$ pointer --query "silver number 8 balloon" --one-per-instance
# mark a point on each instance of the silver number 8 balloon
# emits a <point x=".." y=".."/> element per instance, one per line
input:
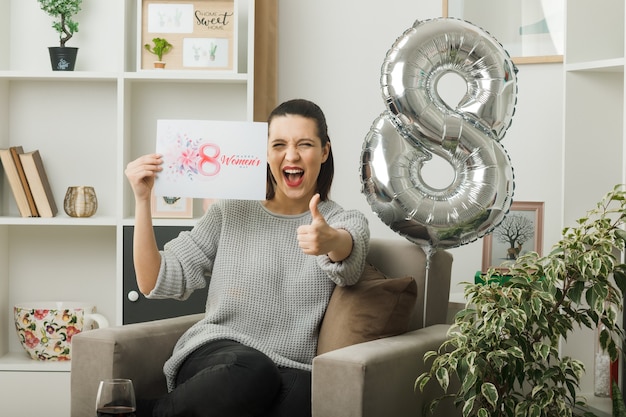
<point x="419" y="124"/>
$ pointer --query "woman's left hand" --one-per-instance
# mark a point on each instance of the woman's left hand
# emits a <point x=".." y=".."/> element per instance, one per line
<point x="319" y="238"/>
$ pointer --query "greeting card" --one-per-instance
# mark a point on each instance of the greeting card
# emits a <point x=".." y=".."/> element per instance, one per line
<point x="212" y="159"/>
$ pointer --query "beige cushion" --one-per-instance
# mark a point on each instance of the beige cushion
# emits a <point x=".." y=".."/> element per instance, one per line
<point x="373" y="308"/>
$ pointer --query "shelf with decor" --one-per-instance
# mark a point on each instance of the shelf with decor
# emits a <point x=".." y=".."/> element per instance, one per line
<point x="47" y="75"/>
<point x="594" y="133"/>
<point x="188" y="76"/>
<point x="88" y="124"/>
<point x="59" y="220"/>
<point x="606" y="65"/>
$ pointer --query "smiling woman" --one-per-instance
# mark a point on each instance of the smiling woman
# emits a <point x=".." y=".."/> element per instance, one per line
<point x="248" y="356"/>
<point x="298" y="136"/>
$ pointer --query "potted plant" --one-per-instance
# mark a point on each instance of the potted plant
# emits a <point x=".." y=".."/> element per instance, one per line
<point x="503" y="353"/>
<point x="160" y="47"/>
<point x="62" y="58"/>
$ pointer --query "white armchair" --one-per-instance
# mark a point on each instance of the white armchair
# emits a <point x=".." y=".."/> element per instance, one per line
<point x="371" y="379"/>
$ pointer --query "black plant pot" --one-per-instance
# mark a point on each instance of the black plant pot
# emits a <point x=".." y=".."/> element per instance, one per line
<point x="62" y="58"/>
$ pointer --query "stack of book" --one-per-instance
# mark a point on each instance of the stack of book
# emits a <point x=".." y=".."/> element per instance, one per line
<point x="28" y="181"/>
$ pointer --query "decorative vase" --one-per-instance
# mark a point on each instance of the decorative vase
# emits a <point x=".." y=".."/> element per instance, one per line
<point x="80" y="201"/>
<point x="602" y="368"/>
<point x="62" y="58"/>
<point x="45" y="328"/>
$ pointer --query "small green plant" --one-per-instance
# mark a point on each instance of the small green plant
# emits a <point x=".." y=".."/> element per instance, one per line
<point x="503" y="349"/>
<point x="62" y="11"/>
<point x="160" y="47"/>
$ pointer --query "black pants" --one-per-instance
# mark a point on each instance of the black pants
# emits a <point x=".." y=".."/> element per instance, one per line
<point x="227" y="379"/>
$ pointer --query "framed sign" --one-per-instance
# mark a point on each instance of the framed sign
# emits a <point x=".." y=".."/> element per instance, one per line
<point x="203" y="33"/>
<point x="172" y="207"/>
<point x="521" y="231"/>
<point x="531" y="31"/>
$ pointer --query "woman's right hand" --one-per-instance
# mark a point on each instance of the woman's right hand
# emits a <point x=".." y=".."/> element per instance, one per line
<point x="141" y="174"/>
<point x="146" y="257"/>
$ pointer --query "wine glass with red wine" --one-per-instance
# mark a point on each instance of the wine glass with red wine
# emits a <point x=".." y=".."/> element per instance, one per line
<point x="116" y="398"/>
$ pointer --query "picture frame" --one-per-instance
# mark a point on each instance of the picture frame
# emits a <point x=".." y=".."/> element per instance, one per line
<point x="531" y="31"/>
<point x="203" y="33"/>
<point x="502" y="245"/>
<point x="206" y="203"/>
<point x="171" y="207"/>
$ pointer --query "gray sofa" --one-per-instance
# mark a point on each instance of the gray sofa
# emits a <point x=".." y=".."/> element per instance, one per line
<point x="370" y="379"/>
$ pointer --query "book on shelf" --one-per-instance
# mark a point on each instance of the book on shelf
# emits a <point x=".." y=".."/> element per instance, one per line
<point x="15" y="153"/>
<point x="13" y="177"/>
<point x="39" y="184"/>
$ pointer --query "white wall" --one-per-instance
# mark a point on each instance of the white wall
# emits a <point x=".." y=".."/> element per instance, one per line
<point x="331" y="52"/>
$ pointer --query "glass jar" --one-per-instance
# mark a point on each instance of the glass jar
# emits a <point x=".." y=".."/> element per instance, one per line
<point x="601" y="367"/>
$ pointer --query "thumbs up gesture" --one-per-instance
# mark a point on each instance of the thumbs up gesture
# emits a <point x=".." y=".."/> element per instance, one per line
<point x="319" y="238"/>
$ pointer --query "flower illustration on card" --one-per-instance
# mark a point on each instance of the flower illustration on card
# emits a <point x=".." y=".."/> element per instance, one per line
<point x="189" y="159"/>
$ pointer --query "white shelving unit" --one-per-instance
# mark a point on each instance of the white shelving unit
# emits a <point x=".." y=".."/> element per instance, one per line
<point x="88" y="124"/>
<point x="594" y="158"/>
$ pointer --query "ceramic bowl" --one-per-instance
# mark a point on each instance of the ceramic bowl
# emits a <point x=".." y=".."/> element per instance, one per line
<point x="45" y="329"/>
